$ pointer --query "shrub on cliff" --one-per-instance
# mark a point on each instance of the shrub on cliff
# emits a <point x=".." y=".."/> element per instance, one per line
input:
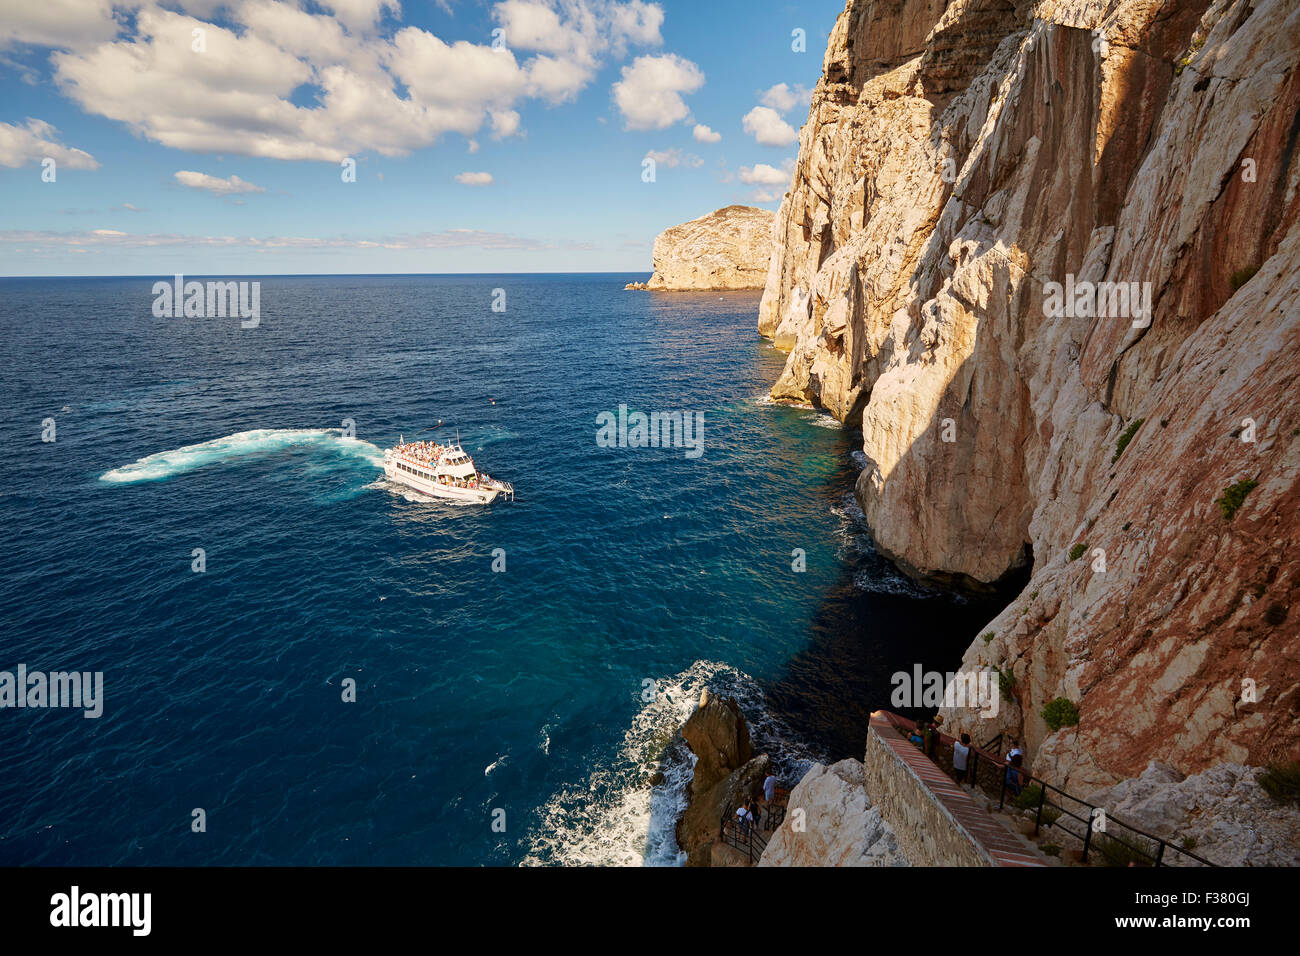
<point x="1060" y="713"/>
<point x="1234" y="495"/>
<point x="1282" y="782"/>
<point x="1077" y="551"/>
<point x="1132" y="849"/>
<point x="1007" y="685"/>
<point x="1242" y="276"/>
<point x="1028" y="800"/>
<point x="1125" y="438"/>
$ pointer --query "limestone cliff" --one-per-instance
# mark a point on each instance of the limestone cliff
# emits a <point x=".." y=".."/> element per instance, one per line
<point x="830" y="822"/>
<point x="961" y="159"/>
<point x="727" y="249"/>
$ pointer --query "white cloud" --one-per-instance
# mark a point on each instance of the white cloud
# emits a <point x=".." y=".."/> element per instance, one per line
<point x="570" y="38"/>
<point x="38" y="140"/>
<point x="504" y="123"/>
<point x="63" y="24"/>
<point x="216" y="185"/>
<point x="764" y="175"/>
<point x="784" y="98"/>
<point x="361" y="15"/>
<point x="474" y="179"/>
<point x="765" y="195"/>
<point x="767" y="127"/>
<point x="705" y="135"/>
<point x="579" y="30"/>
<point x="672" y="158"/>
<point x="371" y="86"/>
<point x="650" y="93"/>
<point x="447" y="239"/>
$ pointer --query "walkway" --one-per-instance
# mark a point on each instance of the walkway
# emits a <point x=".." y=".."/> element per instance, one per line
<point x="984" y="829"/>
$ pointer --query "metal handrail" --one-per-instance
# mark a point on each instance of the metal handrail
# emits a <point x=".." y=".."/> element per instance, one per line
<point x="748" y="839"/>
<point x="1160" y="844"/>
<point x="754" y="842"/>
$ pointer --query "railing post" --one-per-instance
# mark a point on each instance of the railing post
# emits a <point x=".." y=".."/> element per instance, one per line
<point x="1002" y="794"/>
<point x="974" y="768"/>
<point x="1087" y="837"/>
<point x="1160" y="853"/>
<point x="1042" y="798"/>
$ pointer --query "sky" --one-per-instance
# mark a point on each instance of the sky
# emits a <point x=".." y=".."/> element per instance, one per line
<point x="261" y="137"/>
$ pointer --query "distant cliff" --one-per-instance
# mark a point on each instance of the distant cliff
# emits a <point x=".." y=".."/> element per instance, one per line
<point x="727" y="249"/>
<point x="1048" y="255"/>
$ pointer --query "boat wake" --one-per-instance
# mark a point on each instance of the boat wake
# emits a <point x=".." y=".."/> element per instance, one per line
<point x="615" y="818"/>
<point x="260" y="441"/>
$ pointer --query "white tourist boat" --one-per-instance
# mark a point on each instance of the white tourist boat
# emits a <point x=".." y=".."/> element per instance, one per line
<point x="442" y="471"/>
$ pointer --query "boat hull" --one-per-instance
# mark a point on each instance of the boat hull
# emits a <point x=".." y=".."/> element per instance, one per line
<point x="432" y="489"/>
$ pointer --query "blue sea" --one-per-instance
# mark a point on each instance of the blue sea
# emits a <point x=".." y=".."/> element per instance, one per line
<point x="501" y="717"/>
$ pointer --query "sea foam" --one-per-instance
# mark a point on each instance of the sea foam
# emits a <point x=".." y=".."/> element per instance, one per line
<point x="614" y="818"/>
<point x="259" y="441"/>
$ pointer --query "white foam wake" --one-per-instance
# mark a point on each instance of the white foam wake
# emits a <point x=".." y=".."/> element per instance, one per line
<point x="259" y="441"/>
<point x="614" y="818"/>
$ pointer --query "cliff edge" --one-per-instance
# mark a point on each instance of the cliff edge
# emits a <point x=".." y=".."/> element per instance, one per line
<point x="728" y="249"/>
<point x="1048" y="256"/>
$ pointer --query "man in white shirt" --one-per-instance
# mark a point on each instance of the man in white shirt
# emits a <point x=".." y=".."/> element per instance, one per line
<point x="745" y="818"/>
<point x="960" y="758"/>
<point x="769" y="788"/>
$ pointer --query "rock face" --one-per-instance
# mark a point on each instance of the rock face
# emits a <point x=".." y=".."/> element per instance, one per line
<point x="727" y="249"/>
<point x="1224" y="810"/>
<point x="840" y="826"/>
<point x="726" y="771"/>
<point x="960" y="158"/>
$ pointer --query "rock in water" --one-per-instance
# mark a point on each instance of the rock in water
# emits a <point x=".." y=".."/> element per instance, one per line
<point x="727" y="249"/>
<point x="719" y="737"/>
<point x="726" y="772"/>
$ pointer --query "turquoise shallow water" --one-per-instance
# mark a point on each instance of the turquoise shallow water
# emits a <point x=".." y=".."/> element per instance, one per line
<point x="536" y="696"/>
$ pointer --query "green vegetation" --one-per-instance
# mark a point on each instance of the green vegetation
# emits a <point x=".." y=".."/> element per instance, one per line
<point x="1242" y="276"/>
<point x="1282" y="782"/>
<point x="988" y="636"/>
<point x="1191" y="54"/>
<point x="1077" y="551"/>
<point x="1028" y="800"/>
<point x="1126" y="437"/>
<point x="1060" y="713"/>
<point x="1132" y="849"/>
<point x="1234" y="495"/>
<point x="1051" y="849"/>
<point x="1189" y="843"/>
<point x="1007" y="684"/>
